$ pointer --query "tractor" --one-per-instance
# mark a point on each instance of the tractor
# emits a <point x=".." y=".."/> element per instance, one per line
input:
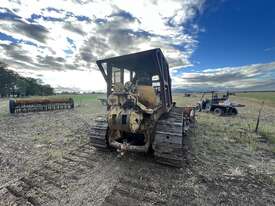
<point x="219" y="105"/>
<point x="141" y="116"/>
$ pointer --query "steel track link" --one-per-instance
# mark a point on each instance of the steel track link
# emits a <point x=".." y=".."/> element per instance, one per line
<point x="168" y="140"/>
<point x="131" y="191"/>
<point x="98" y="133"/>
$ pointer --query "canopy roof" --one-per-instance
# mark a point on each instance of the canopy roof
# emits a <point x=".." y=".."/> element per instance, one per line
<point x="140" y="61"/>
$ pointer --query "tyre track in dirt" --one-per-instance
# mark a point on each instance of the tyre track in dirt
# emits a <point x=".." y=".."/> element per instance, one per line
<point x="51" y="183"/>
<point x="144" y="182"/>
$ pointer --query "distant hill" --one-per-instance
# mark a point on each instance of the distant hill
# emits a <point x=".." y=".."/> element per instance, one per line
<point x="60" y="89"/>
<point x="200" y="90"/>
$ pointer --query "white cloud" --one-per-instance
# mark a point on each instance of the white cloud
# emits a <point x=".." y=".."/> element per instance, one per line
<point x="58" y="36"/>
<point x="253" y="77"/>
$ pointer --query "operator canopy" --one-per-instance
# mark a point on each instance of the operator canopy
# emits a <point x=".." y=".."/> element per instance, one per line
<point x="150" y="60"/>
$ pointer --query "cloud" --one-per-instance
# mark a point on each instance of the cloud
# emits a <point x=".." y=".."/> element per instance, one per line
<point x="270" y="49"/>
<point x="13" y="23"/>
<point x="60" y="42"/>
<point x="15" y="52"/>
<point x="73" y="34"/>
<point x="33" y="31"/>
<point x="249" y="77"/>
<point x="74" y="28"/>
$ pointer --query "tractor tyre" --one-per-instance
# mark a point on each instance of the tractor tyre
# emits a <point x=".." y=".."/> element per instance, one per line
<point x="234" y="111"/>
<point x="218" y="111"/>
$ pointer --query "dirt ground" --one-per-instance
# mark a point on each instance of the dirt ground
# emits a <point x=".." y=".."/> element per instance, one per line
<point x="45" y="159"/>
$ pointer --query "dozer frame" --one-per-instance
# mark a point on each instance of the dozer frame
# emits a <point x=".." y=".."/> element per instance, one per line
<point x="140" y="112"/>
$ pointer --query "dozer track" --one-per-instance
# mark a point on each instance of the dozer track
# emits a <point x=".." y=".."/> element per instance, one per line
<point x="98" y="133"/>
<point x="168" y="141"/>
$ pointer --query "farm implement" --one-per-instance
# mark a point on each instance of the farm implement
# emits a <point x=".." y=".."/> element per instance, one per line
<point x="39" y="104"/>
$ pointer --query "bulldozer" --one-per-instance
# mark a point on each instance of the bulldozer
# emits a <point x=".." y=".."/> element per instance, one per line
<point x="141" y="116"/>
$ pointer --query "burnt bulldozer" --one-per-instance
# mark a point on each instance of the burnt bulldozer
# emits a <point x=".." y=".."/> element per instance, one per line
<point x="141" y="116"/>
<point x="39" y="104"/>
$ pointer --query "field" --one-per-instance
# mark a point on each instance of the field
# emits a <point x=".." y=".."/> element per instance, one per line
<point x="267" y="97"/>
<point x="45" y="159"/>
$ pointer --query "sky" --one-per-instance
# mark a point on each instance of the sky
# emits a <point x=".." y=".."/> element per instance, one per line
<point x="209" y="44"/>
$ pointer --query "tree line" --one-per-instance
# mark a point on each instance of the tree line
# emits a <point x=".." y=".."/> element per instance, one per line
<point x="12" y="84"/>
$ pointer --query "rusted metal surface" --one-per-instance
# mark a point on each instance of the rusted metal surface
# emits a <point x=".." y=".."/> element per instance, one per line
<point x="170" y="131"/>
<point x="40" y="104"/>
<point x="124" y="147"/>
<point x="140" y="113"/>
<point x="146" y="63"/>
<point x="43" y="101"/>
<point x="98" y="133"/>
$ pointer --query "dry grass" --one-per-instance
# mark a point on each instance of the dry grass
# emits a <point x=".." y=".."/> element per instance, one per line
<point x="268" y="97"/>
<point x="241" y="128"/>
<point x="229" y="162"/>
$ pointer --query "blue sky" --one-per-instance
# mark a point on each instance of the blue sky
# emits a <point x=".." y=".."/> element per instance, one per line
<point x="236" y="33"/>
<point x="209" y="44"/>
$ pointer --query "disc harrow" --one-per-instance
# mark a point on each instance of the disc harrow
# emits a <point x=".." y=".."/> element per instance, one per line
<point x="43" y="104"/>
